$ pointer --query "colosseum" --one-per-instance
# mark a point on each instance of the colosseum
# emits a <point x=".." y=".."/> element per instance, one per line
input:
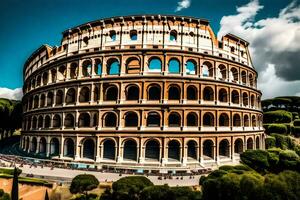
<point x="152" y="91"/>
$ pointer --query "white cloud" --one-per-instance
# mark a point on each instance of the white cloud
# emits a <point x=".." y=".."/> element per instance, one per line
<point x="182" y="4"/>
<point x="274" y="45"/>
<point x="15" y="94"/>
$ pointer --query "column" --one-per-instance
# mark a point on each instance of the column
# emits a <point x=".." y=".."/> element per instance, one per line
<point x="61" y="147"/>
<point x="164" y="160"/>
<point x="98" y="150"/>
<point x="119" y="152"/>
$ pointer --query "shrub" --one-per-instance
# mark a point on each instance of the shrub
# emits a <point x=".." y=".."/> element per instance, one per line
<point x="289" y="160"/>
<point x="296" y="131"/>
<point x="3" y="195"/>
<point x="256" y="159"/>
<point x="278" y="116"/>
<point x="83" y="183"/>
<point x="270" y="142"/>
<point x="9" y="171"/>
<point x="277" y="128"/>
<point x="283" y="142"/>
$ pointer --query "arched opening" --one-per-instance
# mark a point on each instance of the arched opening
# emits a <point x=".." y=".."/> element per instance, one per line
<point x="39" y="81"/>
<point x="40" y="122"/>
<point x="152" y="150"/>
<point x="208" y="150"/>
<point x="73" y="70"/>
<point x="113" y="35"/>
<point x="238" y="146"/>
<point x="235" y="97"/>
<point x="174" y="66"/>
<point x="192" y="93"/>
<point x="95" y="120"/>
<point x="132" y="92"/>
<point x="236" y="120"/>
<point x="45" y="78"/>
<point x="173" y="35"/>
<point x="27" y="144"/>
<point x="34" y="122"/>
<point x="84" y="95"/>
<point x="109" y="149"/>
<point x="153" y="119"/>
<point x="253" y="121"/>
<point x="36" y="102"/>
<point x="59" y="97"/>
<point x="133" y="35"/>
<point x="224" y="148"/>
<point x="245" y="99"/>
<point x="174" y="120"/>
<point x="96" y="94"/>
<point x="208" y="94"/>
<point x="133" y="66"/>
<point x="251" y="80"/>
<point x="131" y="119"/>
<point x="33" y="145"/>
<point x="154" y="92"/>
<point x="86" y="68"/>
<point x="69" y="121"/>
<point x="69" y="148"/>
<point x="53" y="75"/>
<point x="246" y="121"/>
<point x="250" y="143"/>
<point x="113" y="67"/>
<point x="221" y="72"/>
<point x="54" y="147"/>
<point x="174" y="150"/>
<point x="257" y="143"/>
<point x="47" y="121"/>
<point x="111" y="93"/>
<point x="70" y="97"/>
<point x="234" y="75"/>
<point x="174" y="93"/>
<point x="207" y="69"/>
<point x="61" y="72"/>
<point x="244" y="77"/>
<point x="130" y="150"/>
<point x="252" y="100"/>
<point x="224" y="120"/>
<point x="110" y="120"/>
<point x="192" y="149"/>
<point x="42" y="102"/>
<point x="223" y="95"/>
<point x="155" y="65"/>
<point x="49" y="99"/>
<point x="98" y="67"/>
<point x="42" y="146"/>
<point x="89" y="149"/>
<point x="84" y="120"/>
<point x="208" y="119"/>
<point x="190" y="67"/>
<point x="56" y="121"/>
<point x="192" y="119"/>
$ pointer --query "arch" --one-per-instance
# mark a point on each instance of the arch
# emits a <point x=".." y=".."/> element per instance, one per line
<point x="253" y="121"/>
<point x="56" y="121"/>
<point x="36" y="101"/>
<point x="233" y="75"/>
<point x="236" y="120"/>
<point x="133" y="34"/>
<point x="34" y="122"/>
<point x="131" y="119"/>
<point x="223" y="120"/>
<point x="49" y="99"/>
<point x="174" y="92"/>
<point x="244" y="77"/>
<point x="86" y="68"/>
<point x="174" y="66"/>
<point x="53" y="75"/>
<point x="190" y="67"/>
<point x="251" y="80"/>
<point x="155" y="65"/>
<point x="73" y="70"/>
<point x="42" y="145"/>
<point x="111" y="93"/>
<point x="252" y="100"/>
<point x="61" y="73"/>
<point x="45" y="78"/>
<point x="54" y="146"/>
<point x="238" y="146"/>
<point x="192" y="149"/>
<point x="235" y="97"/>
<point x="152" y="150"/>
<point x="113" y="35"/>
<point x="223" y="95"/>
<point x="95" y="120"/>
<point x="84" y="120"/>
<point x="154" y="92"/>
<point x="130" y="150"/>
<point x="207" y="69"/>
<point x="250" y="143"/>
<point x="246" y="121"/>
<point x="69" y="121"/>
<point x="84" y="95"/>
<point x="173" y="35"/>
<point x="33" y="145"/>
<point x="42" y="101"/>
<point x="245" y="99"/>
<point x="208" y="149"/>
<point x="257" y="142"/>
<point x="40" y="122"/>
<point x="96" y="94"/>
<point x="208" y="94"/>
<point x="39" y="81"/>
<point x="59" y="97"/>
<point x="153" y="119"/>
<point x="27" y="144"/>
<point x="70" y="97"/>
<point x="174" y="120"/>
<point x="88" y="149"/>
<point x="192" y="119"/>
<point x="192" y="93"/>
<point x="113" y="67"/>
<point x="208" y="119"/>
<point x="221" y="72"/>
<point x="224" y="148"/>
<point x="133" y="65"/>
<point x="132" y="92"/>
<point x="69" y="148"/>
<point x="98" y="67"/>
<point x="174" y="150"/>
<point x="47" y="121"/>
<point x="109" y="149"/>
<point x="110" y="119"/>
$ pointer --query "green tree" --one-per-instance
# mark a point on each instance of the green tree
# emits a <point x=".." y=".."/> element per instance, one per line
<point x="3" y="195"/>
<point x="83" y="183"/>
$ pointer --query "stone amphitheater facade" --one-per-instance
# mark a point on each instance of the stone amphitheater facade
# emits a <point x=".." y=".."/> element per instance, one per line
<point x="154" y="91"/>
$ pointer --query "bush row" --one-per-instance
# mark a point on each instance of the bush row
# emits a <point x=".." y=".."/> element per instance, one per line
<point x="278" y="116"/>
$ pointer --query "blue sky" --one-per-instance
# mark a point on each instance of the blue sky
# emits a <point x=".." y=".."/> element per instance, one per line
<point x="25" y="25"/>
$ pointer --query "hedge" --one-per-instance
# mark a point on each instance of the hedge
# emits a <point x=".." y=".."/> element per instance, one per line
<point x="9" y="171"/>
<point x="278" y="116"/>
<point x="297" y="122"/>
<point x="270" y="142"/>
<point x="277" y="128"/>
<point x="283" y="142"/>
<point x="296" y="131"/>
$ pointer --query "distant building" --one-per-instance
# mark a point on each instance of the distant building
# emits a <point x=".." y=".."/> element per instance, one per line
<point x="154" y="91"/>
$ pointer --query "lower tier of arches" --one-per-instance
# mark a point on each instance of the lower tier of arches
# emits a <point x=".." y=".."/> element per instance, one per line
<point x="147" y="150"/>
